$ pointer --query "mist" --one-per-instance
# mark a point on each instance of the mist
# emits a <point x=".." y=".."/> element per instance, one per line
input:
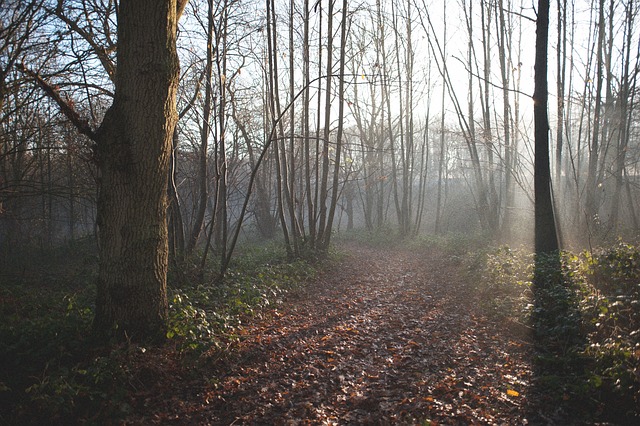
<point x="418" y="119"/>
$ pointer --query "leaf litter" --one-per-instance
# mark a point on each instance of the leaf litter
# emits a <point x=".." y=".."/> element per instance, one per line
<point x="379" y="338"/>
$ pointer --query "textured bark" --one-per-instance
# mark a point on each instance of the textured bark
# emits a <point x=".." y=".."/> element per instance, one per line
<point x="134" y="147"/>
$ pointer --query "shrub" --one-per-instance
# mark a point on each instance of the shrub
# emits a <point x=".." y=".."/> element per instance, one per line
<point x="585" y="310"/>
<point x="504" y="282"/>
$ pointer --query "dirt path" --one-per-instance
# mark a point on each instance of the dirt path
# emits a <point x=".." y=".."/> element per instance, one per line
<point x="381" y="338"/>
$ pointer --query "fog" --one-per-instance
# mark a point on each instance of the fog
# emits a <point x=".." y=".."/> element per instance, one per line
<point x="416" y="120"/>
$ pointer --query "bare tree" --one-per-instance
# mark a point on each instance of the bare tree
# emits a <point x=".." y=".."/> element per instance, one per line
<point x="546" y="239"/>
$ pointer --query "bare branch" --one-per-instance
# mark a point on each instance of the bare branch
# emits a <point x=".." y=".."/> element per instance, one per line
<point x="82" y="124"/>
<point x="497" y="86"/>
<point x="100" y="51"/>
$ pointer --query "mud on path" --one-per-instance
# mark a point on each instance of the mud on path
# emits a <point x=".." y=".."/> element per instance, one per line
<point x="382" y="337"/>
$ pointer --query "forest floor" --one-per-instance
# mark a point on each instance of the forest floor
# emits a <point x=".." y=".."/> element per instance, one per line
<point x="380" y="337"/>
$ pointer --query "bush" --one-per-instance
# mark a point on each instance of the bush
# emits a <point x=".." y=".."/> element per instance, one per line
<point x="616" y="270"/>
<point x="49" y="376"/>
<point x="504" y="277"/>
<point x="614" y="320"/>
<point x="585" y="310"/>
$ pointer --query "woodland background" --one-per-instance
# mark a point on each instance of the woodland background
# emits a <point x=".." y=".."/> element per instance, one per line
<point x="429" y="130"/>
<point x="400" y="124"/>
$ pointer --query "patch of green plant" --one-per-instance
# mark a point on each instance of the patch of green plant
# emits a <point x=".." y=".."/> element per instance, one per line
<point x="615" y="270"/>
<point x="63" y="394"/>
<point x="503" y="278"/>
<point x="585" y="311"/>
<point x="53" y="372"/>
<point x="557" y="290"/>
<point x="48" y="375"/>
<point x="386" y="236"/>
<point x="188" y="323"/>
<point x="253" y="256"/>
<point x="50" y="371"/>
<point x="453" y="244"/>
<point x="613" y="321"/>
<point x="202" y="315"/>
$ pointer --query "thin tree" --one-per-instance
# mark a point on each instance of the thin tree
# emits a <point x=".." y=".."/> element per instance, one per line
<point x="442" y="154"/>
<point x="336" y="165"/>
<point x="504" y="54"/>
<point x="324" y="179"/>
<point x="594" y="146"/>
<point x="205" y="130"/>
<point x="546" y="239"/>
<point x="561" y="66"/>
<point x="625" y="106"/>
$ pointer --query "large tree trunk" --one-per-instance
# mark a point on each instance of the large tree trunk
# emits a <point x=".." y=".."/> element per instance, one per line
<point x="134" y="147"/>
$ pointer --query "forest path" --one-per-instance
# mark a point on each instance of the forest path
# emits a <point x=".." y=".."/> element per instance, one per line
<point x="381" y="337"/>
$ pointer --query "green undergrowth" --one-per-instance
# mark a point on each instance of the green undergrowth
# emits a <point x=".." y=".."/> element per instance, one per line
<point x="386" y="237"/>
<point x="582" y="312"/>
<point x="453" y="244"/>
<point x="45" y="314"/>
<point x="205" y="311"/>
<point x="54" y="373"/>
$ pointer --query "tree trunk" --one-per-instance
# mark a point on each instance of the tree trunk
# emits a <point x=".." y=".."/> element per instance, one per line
<point x="176" y="225"/>
<point x="487" y="195"/>
<point x="274" y="103"/>
<point x="441" y="161"/>
<point x="594" y="147"/>
<point x="546" y="239"/>
<point x="220" y="219"/>
<point x="308" y="167"/>
<point x="203" y="163"/>
<point x="625" y="107"/>
<point x="134" y="148"/>
<point x="561" y="62"/>
<point x="290" y="169"/>
<point x="324" y="179"/>
<point x="336" y="165"/>
<point x="504" y="49"/>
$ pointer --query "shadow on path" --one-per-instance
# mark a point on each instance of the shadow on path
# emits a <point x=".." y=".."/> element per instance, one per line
<point x="560" y="381"/>
<point x="382" y="337"/>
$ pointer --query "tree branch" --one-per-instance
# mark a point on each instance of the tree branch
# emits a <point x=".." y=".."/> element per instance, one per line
<point x="497" y="86"/>
<point x="82" y="124"/>
<point x="100" y="51"/>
